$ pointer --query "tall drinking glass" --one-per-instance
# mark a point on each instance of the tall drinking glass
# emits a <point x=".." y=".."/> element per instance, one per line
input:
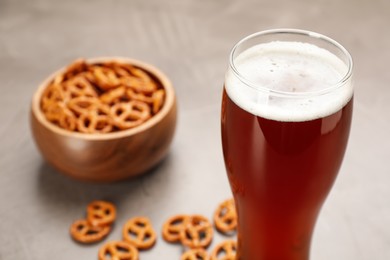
<point x="286" y="115"/>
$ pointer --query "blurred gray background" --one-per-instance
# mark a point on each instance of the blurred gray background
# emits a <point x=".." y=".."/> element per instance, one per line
<point x="190" y="41"/>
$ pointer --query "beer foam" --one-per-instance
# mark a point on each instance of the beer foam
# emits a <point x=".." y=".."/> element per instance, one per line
<point x="296" y="68"/>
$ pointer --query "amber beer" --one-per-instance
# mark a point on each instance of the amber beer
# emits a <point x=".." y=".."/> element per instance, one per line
<point x="286" y="116"/>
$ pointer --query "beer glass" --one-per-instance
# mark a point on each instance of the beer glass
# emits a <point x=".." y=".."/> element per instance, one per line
<point x="286" y="116"/>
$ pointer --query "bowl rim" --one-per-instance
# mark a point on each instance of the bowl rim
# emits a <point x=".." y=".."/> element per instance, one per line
<point x="168" y="103"/>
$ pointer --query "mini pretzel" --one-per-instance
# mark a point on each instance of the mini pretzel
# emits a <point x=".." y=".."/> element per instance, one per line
<point x="124" y="69"/>
<point x="83" y="104"/>
<point x="113" y="96"/>
<point x="58" y="79"/>
<point x="158" y="100"/>
<point x="225" y="217"/>
<point x="172" y="227"/>
<point x="129" y="114"/>
<point x="118" y="250"/>
<point x="139" y="73"/>
<point x="67" y="120"/>
<point x="120" y="69"/>
<point x="101" y="213"/>
<point x="195" y="254"/>
<point x="101" y="98"/>
<point x="139" y="85"/>
<point x="75" y="68"/>
<point x="60" y="115"/>
<point x="94" y="117"/>
<point x="83" y="232"/>
<point x="105" y="78"/>
<point x="52" y="94"/>
<point x="138" y="96"/>
<point x="91" y="123"/>
<point x="78" y="86"/>
<point x="139" y="232"/>
<point x="197" y="232"/>
<point x="53" y="111"/>
<point x="226" y="250"/>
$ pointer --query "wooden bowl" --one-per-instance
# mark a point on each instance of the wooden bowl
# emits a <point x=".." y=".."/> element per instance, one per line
<point x="111" y="156"/>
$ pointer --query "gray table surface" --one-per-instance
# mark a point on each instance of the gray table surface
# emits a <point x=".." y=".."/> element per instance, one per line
<point x="190" y="41"/>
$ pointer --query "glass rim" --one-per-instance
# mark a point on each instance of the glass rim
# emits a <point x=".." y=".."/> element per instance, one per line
<point x="301" y="32"/>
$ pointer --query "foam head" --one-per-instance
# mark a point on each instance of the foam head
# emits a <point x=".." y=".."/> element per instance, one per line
<point x="283" y="81"/>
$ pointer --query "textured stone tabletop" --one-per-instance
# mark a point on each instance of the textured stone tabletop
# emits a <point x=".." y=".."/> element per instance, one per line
<point x="190" y="41"/>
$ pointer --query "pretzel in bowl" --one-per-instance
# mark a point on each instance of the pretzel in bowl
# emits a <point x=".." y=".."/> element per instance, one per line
<point x="53" y="95"/>
<point x="53" y="105"/>
<point x="57" y="112"/>
<point x="118" y="250"/>
<point x="106" y="78"/>
<point x="92" y="123"/>
<point x="78" y="86"/>
<point x="139" y="80"/>
<point x="84" y="104"/>
<point x="114" y="96"/>
<point x="130" y="114"/>
<point x="101" y="213"/>
<point x="139" y="232"/>
<point x="197" y="232"/>
<point x="172" y="227"/>
<point x="225" y="216"/>
<point x="226" y="250"/>
<point x="78" y="66"/>
<point x="195" y="254"/>
<point x="101" y="97"/>
<point x="83" y="232"/>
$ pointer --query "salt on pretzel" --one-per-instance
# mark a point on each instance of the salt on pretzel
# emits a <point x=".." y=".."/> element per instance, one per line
<point x="226" y="250"/>
<point x="197" y="232"/>
<point x="195" y="254"/>
<point x="129" y="114"/>
<point x="225" y="216"/>
<point x="118" y="250"/>
<point x="101" y="213"/>
<point x="83" y="232"/>
<point x="172" y="227"/>
<point x="139" y="232"/>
